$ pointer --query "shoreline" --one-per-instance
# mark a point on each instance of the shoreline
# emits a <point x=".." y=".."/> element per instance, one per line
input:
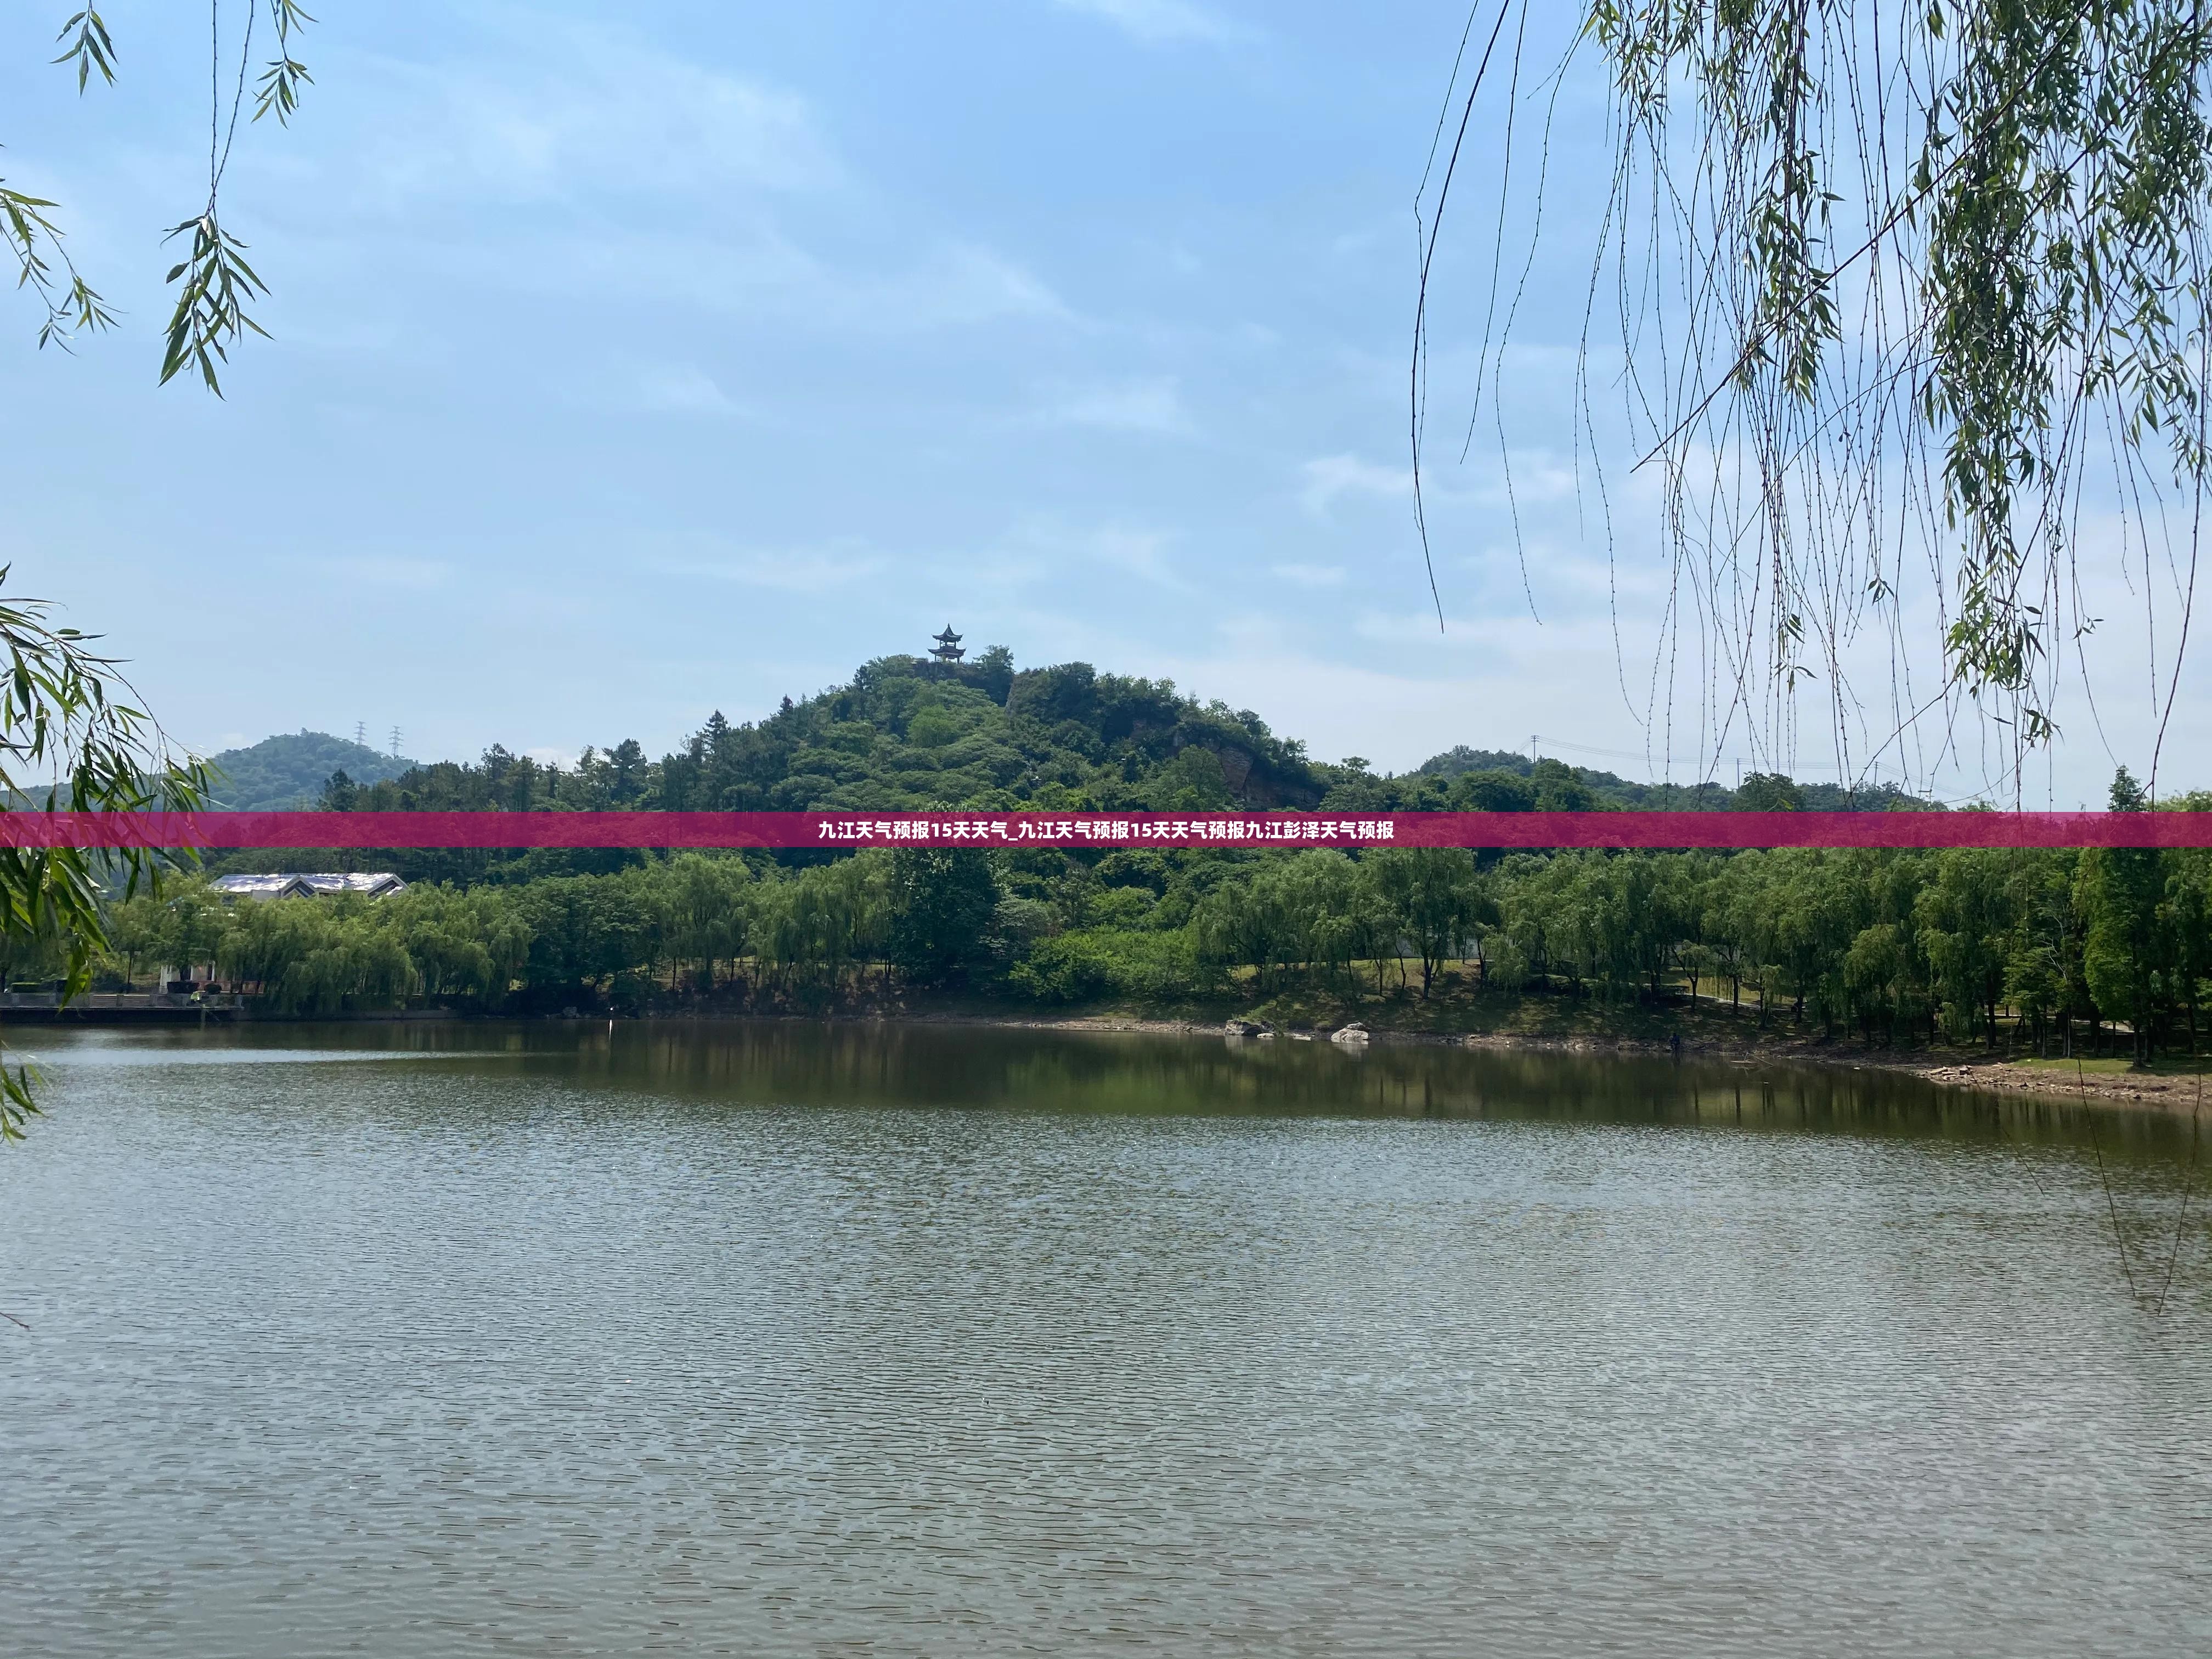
<point x="1952" y="1069"/>
<point x="1973" y="1070"/>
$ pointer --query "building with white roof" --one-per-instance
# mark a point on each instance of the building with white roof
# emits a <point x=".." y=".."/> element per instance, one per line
<point x="294" y="884"/>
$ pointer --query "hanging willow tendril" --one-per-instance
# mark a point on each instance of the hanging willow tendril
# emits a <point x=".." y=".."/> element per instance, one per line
<point x="211" y="305"/>
<point x="217" y="283"/>
<point x="214" y="284"/>
<point x="277" y="91"/>
<point x="1887" y="289"/>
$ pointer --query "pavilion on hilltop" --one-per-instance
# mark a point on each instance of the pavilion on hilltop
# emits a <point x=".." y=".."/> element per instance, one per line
<point x="948" y="649"/>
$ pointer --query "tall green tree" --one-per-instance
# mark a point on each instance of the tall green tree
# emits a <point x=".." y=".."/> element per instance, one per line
<point x="1769" y="791"/>
<point x="2122" y="888"/>
<point x="1435" y="896"/>
<point x="943" y="900"/>
<point x="1968" y="926"/>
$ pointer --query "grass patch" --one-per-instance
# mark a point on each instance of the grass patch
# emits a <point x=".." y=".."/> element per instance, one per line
<point x="2113" y="1067"/>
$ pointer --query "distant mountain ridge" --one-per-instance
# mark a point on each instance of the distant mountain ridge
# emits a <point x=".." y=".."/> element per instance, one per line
<point x="289" y="771"/>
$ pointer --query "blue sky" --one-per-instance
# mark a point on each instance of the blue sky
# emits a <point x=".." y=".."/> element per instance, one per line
<point x="634" y="363"/>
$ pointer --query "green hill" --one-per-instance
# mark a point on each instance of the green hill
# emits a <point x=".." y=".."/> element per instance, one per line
<point x="290" y="770"/>
<point x="906" y="734"/>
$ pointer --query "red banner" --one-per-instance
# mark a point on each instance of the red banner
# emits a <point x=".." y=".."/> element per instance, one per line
<point x="850" y="829"/>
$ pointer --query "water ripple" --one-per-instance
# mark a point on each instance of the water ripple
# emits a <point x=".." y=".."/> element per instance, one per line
<point x="715" y="1343"/>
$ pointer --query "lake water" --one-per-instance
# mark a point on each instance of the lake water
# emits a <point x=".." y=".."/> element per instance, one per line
<point x="775" y="1339"/>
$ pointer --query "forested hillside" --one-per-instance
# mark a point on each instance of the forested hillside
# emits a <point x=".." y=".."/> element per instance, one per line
<point x="292" y="770"/>
<point x="906" y="734"/>
<point x="909" y="734"/>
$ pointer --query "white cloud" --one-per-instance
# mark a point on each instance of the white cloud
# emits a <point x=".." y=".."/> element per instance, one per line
<point x="1140" y="552"/>
<point x="1310" y="575"/>
<point x="683" y="390"/>
<point x="757" y="271"/>
<point x="1157" y="22"/>
<point x="1150" y="405"/>
<point x="1521" y="476"/>
<point x="1331" y="476"/>
<point x="1035" y="545"/>
<point x="605" y="113"/>
<point x="1507" y="634"/>
<point x="581" y="164"/>
<point x="1376" y="233"/>
<point x="393" y="571"/>
<point x="956" y="282"/>
<point x="788" y="570"/>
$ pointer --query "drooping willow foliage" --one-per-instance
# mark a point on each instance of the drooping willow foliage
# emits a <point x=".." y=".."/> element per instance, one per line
<point x="1904" y="310"/>
<point x="213" y="284"/>
<point x="71" y="740"/>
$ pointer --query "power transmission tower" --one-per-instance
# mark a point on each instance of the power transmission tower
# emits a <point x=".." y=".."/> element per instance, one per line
<point x="361" y="733"/>
<point x="395" y="742"/>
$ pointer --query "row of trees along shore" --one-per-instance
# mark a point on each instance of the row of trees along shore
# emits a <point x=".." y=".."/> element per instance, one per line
<point x="2039" y="949"/>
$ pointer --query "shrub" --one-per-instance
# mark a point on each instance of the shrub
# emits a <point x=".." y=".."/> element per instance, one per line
<point x="1089" y="964"/>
